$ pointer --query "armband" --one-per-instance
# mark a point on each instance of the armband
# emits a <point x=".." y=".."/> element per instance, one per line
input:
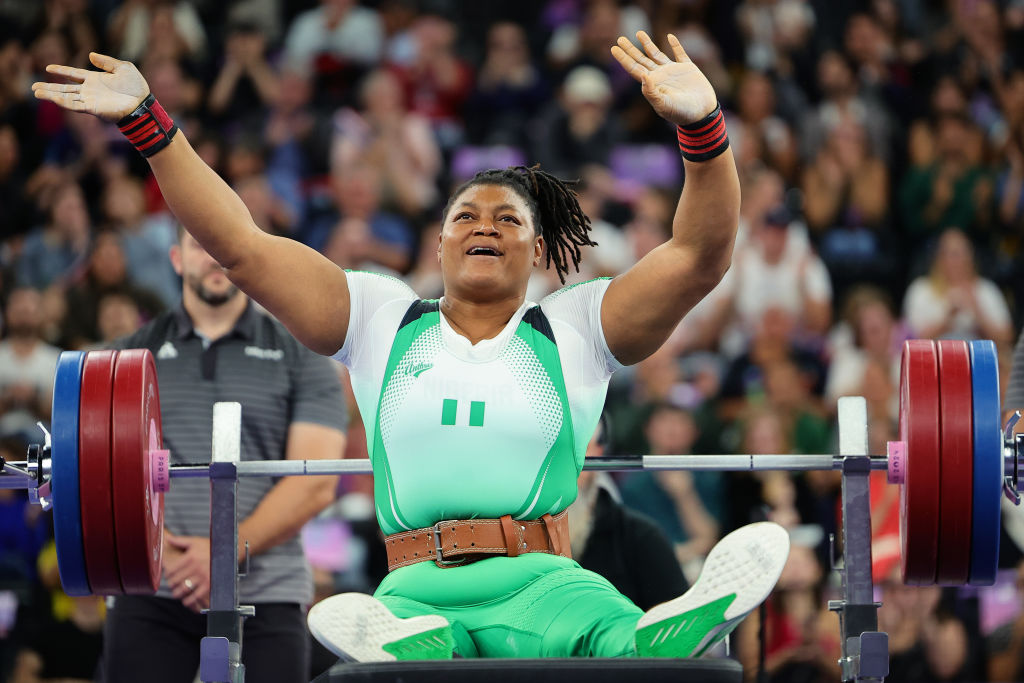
<point x="148" y="128"/>
<point x="704" y="139"/>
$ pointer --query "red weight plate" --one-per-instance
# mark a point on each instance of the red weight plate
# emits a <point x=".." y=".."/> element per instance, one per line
<point x="957" y="473"/>
<point x="919" y="429"/>
<point x="94" y="479"/>
<point x="138" y="509"/>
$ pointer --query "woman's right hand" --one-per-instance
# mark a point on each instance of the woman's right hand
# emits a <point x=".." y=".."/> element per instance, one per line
<point x="110" y="94"/>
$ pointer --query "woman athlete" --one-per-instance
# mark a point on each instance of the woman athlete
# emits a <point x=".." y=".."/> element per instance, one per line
<point x="478" y="406"/>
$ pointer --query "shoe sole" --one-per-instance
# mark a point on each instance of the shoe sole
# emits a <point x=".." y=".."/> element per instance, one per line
<point x="359" y="627"/>
<point x="738" y="574"/>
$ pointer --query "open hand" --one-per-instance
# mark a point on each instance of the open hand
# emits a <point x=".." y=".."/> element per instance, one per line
<point x="110" y="94"/>
<point x="677" y="89"/>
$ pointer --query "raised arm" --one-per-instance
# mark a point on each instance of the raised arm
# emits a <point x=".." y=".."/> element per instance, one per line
<point x="643" y="305"/>
<point x="303" y="289"/>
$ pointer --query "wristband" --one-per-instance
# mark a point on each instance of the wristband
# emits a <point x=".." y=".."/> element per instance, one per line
<point x="704" y="139"/>
<point x="148" y="128"/>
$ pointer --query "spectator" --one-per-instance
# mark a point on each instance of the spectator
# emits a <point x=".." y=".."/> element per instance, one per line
<point x="27" y="364"/>
<point x="953" y="190"/>
<point x="681" y="502"/>
<point x="118" y="316"/>
<point x="1010" y="201"/>
<point x="623" y="546"/>
<point x="164" y="29"/>
<point x="397" y="17"/>
<point x="756" y="121"/>
<point x="53" y="252"/>
<point x="870" y="49"/>
<point x="953" y="301"/>
<point x="298" y="138"/>
<point x="800" y="634"/>
<point x="80" y="152"/>
<point x="13" y="203"/>
<point x="771" y="29"/>
<point x="105" y="274"/>
<point x="846" y="202"/>
<point x="360" y="233"/>
<point x="425" y="277"/>
<point x="145" y="239"/>
<point x="841" y="100"/>
<point x="788" y="391"/>
<point x="771" y="495"/>
<point x="926" y="641"/>
<point x="1006" y="643"/>
<point x="1010" y="192"/>
<point x="246" y="81"/>
<point x="579" y="129"/>
<point x="23" y="533"/>
<point x="763" y="190"/>
<point x="15" y="107"/>
<point x="846" y="185"/>
<point x="776" y="268"/>
<point x="64" y="642"/>
<point x="397" y="143"/>
<point x="868" y="333"/>
<point x="73" y="19"/>
<point x="268" y="211"/>
<point x="510" y="90"/>
<point x="596" y="192"/>
<point x="336" y="32"/>
<point x="651" y="222"/>
<point x="745" y="379"/>
<point x="437" y="82"/>
<point x="586" y="41"/>
<point x="172" y="84"/>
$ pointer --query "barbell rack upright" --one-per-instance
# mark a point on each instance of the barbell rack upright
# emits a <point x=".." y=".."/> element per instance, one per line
<point x="864" y="649"/>
<point x="220" y="659"/>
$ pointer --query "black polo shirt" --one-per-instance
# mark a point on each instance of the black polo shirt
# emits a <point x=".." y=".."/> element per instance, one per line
<point x="278" y="381"/>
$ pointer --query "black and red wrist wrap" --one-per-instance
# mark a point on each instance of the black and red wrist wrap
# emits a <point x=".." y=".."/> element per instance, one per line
<point x="704" y="139"/>
<point x="148" y="128"/>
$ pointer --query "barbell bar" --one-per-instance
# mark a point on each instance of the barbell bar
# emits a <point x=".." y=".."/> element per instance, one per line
<point x="620" y="463"/>
<point x="953" y="462"/>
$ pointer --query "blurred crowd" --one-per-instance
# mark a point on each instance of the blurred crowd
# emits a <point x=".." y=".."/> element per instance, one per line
<point x="880" y="147"/>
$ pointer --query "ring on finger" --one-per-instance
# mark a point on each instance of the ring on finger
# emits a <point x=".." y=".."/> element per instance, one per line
<point x="190" y="584"/>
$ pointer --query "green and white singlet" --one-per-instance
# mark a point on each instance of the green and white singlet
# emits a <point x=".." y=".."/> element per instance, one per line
<point x="462" y="431"/>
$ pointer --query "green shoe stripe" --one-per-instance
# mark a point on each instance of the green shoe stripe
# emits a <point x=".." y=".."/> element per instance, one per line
<point x="680" y="635"/>
<point x="435" y="644"/>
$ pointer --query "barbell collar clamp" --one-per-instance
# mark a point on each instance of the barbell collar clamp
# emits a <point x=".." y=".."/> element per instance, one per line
<point x="1013" y="452"/>
<point x="17" y="469"/>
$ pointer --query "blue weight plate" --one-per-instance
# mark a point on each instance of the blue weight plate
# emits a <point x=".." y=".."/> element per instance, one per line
<point x="988" y="464"/>
<point x="67" y="517"/>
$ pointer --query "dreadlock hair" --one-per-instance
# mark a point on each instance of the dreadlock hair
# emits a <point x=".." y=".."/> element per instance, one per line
<point x="556" y="213"/>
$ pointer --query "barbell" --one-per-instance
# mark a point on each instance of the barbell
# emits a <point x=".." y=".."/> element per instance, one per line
<point x="104" y="470"/>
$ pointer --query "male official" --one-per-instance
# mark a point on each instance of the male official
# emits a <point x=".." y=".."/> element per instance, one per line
<point x="218" y="346"/>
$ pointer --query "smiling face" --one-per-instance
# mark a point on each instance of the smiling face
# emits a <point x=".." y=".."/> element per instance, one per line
<point x="488" y="245"/>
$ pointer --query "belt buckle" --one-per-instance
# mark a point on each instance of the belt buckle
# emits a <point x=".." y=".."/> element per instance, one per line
<point x="438" y="556"/>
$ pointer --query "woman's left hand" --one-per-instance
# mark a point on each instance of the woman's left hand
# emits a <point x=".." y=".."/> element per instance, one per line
<point x="677" y="89"/>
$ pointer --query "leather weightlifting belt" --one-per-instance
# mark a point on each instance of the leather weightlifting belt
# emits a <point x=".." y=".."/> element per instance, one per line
<point x="457" y="542"/>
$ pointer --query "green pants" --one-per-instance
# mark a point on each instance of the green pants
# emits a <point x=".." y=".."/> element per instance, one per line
<point x="535" y="605"/>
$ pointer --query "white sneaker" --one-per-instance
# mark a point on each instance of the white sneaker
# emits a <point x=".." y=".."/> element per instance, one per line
<point x="359" y="627"/>
<point x="739" y="573"/>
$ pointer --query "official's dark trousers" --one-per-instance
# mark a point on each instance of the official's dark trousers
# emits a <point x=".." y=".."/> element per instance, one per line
<point x="157" y="640"/>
